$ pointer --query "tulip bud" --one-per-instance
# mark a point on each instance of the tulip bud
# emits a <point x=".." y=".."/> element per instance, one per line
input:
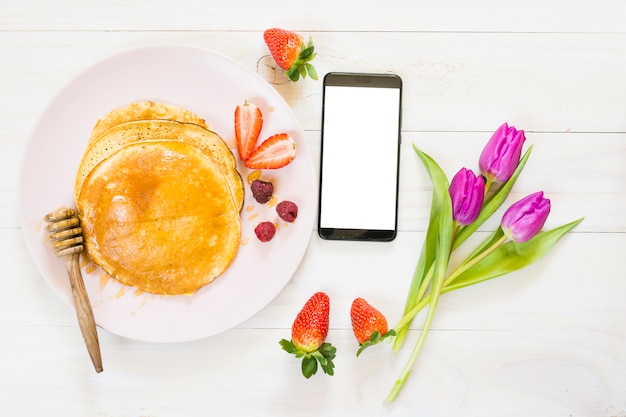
<point x="502" y="153"/>
<point x="467" y="192"/>
<point x="525" y="218"/>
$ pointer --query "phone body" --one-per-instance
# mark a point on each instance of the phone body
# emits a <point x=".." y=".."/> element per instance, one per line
<point x="360" y="156"/>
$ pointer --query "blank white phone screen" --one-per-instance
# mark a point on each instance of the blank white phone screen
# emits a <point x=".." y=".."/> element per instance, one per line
<point x="360" y="158"/>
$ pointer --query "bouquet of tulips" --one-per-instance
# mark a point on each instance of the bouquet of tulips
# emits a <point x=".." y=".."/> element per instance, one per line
<point x="458" y="208"/>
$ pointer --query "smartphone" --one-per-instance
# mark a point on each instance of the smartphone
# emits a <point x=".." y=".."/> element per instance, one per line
<point x="360" y="156"/>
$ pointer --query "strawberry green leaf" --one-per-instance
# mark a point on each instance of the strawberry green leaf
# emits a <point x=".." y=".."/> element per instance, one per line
<point x="511" y="257"/>
<point x="293" y="73"/>
<point x="327" y="350"/>
<point x="328" y="368"/>
<point x="306" y="54"/>
<point x="309" y="366"/>
<point x="374" y="339"/>
<point x="287" y="346"/>
<point x="312" y="71"/>
<point x="325" y="355"/>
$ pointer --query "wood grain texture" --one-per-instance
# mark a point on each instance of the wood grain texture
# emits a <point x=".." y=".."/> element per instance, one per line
<point x="548" y="341"/>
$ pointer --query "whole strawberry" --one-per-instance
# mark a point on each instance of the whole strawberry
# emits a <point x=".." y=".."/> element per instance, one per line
<point x="308" y="335"/>
<point x="368" y="324"/>
<point x="291" y="53"/>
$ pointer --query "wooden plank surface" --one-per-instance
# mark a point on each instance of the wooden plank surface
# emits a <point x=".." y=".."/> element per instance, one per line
<point x="546" y="341"/>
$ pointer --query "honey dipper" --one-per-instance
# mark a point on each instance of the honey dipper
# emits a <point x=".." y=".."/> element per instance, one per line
<point x="67" y="242"/>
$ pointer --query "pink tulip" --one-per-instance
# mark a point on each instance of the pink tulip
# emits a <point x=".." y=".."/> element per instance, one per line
<point x="502" y="153"/>
<point x="525" y="218"/>
<point x="467" y="192"/>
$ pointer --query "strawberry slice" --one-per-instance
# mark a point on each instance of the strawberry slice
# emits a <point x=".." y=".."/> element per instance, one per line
<point x="248" y="124"/>
<point x="273" y="153"/>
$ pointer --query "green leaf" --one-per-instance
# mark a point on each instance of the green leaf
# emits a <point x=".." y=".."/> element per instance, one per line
<point x="325" y="355"/>
<point x="492" y="204"/>
<point x="287" y="346"/>
<point x="374" y="339"/>
<point x="305" y="54"/>
<point x="511" y="257"/>
<point x="293" y="73"/>
<point x="445" y="230"/>
<point x="309" y="366"/>
<point x="329" y="368"/>
<point x="312" y="71"/>
<point x="441" y="208"/>
<point x="327" y="350"/>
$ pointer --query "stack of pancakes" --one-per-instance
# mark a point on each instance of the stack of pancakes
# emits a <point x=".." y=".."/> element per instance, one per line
<point x="159" y="197"/>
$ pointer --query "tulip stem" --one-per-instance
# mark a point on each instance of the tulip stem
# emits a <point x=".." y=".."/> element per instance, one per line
<point x="432" y="300"/>
<point x="467" y="265"/>
<point x="423" y="302"/>
<point x="410" y="315"/>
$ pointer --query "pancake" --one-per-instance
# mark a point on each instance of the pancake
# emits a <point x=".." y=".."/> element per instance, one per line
<point x="158" y="215"/>
<point x="210" y="143"/>
<point x="144" y="110"/>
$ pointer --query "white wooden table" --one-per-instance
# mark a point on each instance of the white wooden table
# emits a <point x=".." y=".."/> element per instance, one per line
<point x="547" y="341"/>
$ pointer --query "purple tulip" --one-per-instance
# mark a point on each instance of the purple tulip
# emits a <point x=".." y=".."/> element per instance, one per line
<point x="501" y="154"/>
<point x="467" y="192"/>
<point x="525" y="218"/>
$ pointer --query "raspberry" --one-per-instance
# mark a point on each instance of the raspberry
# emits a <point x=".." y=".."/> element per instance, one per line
<point x="262" y="191"/>
<point x="287" y="210"/>
<point x="265" y="231"/>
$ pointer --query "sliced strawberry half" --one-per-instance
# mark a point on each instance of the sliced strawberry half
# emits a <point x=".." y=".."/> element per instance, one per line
<point x="248" y="125"/>
<point x="273" y="153"/>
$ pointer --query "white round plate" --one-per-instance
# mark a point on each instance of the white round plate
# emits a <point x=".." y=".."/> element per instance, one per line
<point x="210" y="85"/>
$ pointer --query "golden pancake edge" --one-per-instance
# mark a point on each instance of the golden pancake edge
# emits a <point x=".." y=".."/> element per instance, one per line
<point x="160" y="211"/>
<point x="127" y="132"/>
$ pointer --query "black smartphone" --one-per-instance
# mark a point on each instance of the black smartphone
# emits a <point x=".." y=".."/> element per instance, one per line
<point x="360" y="156"/>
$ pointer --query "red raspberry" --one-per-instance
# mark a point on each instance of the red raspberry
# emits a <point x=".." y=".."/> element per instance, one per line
<point x="265" y="231"/>
<point x="287" y="210"/>
<point x="262" y="191"/>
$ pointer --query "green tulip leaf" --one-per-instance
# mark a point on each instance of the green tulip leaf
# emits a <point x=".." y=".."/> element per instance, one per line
<point x="440" y="221"/>
<point x="492" y="204"/>
<point x="510" y="257"/>
<point x="440" y="224"/>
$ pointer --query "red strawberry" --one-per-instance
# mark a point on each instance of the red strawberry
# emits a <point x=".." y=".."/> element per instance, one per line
<point x="308" y="335"/>
<point x="275" y="152"/>
<point x="369" y="324"/>
<point x="248" y="124"/>
<point x="291" y="53"/>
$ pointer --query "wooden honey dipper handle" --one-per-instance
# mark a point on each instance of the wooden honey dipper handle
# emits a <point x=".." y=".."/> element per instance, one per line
<point x="67" y="241"/>
<point x="86" y="320"/>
